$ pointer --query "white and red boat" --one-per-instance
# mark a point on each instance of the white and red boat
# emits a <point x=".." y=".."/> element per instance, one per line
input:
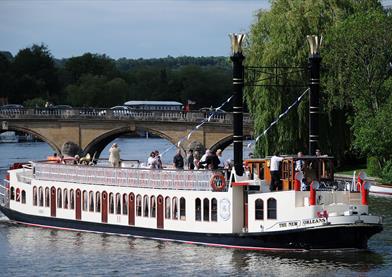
<point x="216" y="208"/>
<point x="381" y="189"/>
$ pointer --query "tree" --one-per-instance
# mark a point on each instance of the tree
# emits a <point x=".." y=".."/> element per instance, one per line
<point x="35" y="74"/>
<point x="94" y="64"/>
<point x="278" y="37"/>
<point x="359" y="79"/>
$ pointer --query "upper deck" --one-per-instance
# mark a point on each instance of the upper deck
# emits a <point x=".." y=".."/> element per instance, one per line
<point x="129" y="177"/>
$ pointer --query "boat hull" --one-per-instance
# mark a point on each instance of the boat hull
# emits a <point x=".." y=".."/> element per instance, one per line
<point x="317" y="238"/>
<point x="382" y="190"/>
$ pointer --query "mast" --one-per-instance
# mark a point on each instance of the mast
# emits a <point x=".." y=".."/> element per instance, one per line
<point x="238" y="85"/>
<point x="314" y="94"/>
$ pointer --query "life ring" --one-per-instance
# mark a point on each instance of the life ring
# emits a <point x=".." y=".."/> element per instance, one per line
<point x="218" y="182"/>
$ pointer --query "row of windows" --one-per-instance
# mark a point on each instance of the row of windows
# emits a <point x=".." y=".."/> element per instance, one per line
<point x="271" y="209"/>
<point x="118" y="204"/>
<point x="205" y="210"/>
<point x="174" y="209"/>
<point x="16" y="195"/>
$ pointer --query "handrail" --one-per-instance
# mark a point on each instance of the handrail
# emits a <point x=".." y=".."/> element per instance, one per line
<point x="109" y="114"/>
<point x="129" y="177"/>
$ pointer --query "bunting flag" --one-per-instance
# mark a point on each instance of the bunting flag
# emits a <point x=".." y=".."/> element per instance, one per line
<point x="279" y="117"/>
<point x="188" y="136"/>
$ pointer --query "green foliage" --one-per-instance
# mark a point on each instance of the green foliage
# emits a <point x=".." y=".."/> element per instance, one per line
<point x="278" y="37"/>
<point x="359" y="80"/>
<point x="354" y="77"/>
<point x="34" y="74"/>
<point x="34" y="103"/>
<point x="386" y="174"/>
<point x="373" y="166"/>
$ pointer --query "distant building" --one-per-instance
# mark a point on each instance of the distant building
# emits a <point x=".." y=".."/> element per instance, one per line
<point x="155" y="105"/>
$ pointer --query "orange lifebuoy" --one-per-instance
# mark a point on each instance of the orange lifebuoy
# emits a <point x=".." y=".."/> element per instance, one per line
<point x="218" y="182"/>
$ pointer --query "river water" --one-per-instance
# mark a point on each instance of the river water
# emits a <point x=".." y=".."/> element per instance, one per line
<point x="30" y="251"/>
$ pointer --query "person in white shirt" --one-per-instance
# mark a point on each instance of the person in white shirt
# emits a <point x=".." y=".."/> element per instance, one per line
<point x="275" y="173"/>
<point x="299" y="164"/>
<point x="151" y="162"/>
<point x="219" y="155"/>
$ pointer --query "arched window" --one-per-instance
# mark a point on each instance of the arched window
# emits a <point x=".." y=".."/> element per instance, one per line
<point x="59" y="198"/>
<point x="206" y="209"/>
<point x="91" y="201"/>
<point x="145" y="206"/>
<point x="167" y="207"/>
<point x="111" y="203"/>
<point x="118" y="203"/>
<point x="138" y="205"/>
<point x="47" y="199"/>
<point x="71" y="199"/>
<point x="17" y="198"/>
<point x="41" y="197"/>
<point x="97" y="202"/>
<point x="259" y="209"/>
<point x="35" y="196"/>
<point x="65" y="198"/>
<point x="12" y="193"/>
<point x="214" y="210"/>
<point x="175" y="208"/>
<point x="84" y="197"/>
<point x="125" y="203"/>
<point x="182" y="208"/>
<point x="153" y="206"/>
<point x="198" y="209"/>
<point x="23" y="197"/>
<point x="271" y="208"/>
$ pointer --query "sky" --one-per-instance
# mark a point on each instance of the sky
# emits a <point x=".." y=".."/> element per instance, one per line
<point x="130" y="29"/>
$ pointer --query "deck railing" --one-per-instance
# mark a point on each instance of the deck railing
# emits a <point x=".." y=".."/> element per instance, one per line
<point x="129" y="177"/>
<point x="108" y="114"/>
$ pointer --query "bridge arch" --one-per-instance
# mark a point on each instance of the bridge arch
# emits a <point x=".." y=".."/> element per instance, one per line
<point x="51" y="143"/>
<point x="97" y="145"/>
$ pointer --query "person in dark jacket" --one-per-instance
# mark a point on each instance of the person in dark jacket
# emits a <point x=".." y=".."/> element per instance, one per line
<point x="178" y="160"/>
<point x="212" y="161"/>
<point x="190" y="160"/>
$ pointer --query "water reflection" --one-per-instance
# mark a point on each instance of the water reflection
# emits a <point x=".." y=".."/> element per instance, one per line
<point x="66" y="252"/>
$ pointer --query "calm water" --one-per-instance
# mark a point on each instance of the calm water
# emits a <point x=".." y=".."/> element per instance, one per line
<point x="28" y="251"/>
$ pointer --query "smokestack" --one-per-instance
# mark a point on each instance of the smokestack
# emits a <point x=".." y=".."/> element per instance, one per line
<point x="238" y="85"/>
<point x="314" y="94"/>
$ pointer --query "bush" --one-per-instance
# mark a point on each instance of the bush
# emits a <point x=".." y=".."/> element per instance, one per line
<point x="373" y="167"/>
<point x="386" y="173"/>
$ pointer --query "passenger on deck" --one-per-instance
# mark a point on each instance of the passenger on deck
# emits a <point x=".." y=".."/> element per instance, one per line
<point x="158" y="161"/>
<point x="114" y="157"/>
<point x="275" y="173"/>
<point x="151" y="163"/>
<point x="178" y="160"/>
<point x="203" y="158"/>
<point x="196" y="160"/>
<point x="190" y="160"/>
<point x="299" y="164"/>
<point x="221" y="161"/>
<point x="212" y="161"/>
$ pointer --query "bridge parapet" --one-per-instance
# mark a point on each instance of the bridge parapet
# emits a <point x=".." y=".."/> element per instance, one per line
<point x="108" y="114"/>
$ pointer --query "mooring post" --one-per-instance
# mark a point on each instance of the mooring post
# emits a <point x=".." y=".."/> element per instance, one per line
<point x="314" y="93"/>
<point x="238" y="85"/>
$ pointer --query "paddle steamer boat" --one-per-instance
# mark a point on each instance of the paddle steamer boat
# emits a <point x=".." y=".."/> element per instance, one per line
<point x="217" y="208"/>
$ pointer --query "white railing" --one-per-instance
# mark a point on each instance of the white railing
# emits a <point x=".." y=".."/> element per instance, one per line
<point x="128" y="177"/>
<point x="108" y="114"/>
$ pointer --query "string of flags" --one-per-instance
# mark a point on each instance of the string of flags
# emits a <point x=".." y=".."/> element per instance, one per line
<point x="279" y="117"/>
<point x="208" y="119"/>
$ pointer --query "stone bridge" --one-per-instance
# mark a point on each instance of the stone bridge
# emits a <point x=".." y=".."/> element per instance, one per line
<point x="93" y="129"/>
